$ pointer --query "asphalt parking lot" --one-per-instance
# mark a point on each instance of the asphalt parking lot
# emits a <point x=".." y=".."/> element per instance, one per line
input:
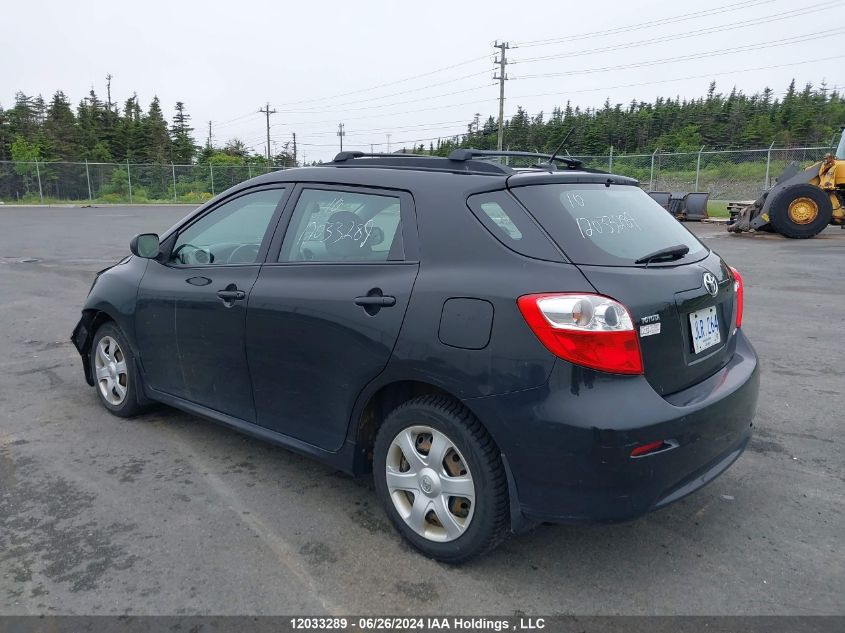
<point x="171" y="514"/>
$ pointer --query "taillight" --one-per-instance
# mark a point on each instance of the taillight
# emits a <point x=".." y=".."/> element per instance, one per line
<point x="585" y="329"/>
<point x="739" y="288"/>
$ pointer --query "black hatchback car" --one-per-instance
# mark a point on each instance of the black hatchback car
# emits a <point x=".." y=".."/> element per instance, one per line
<point x="498" y="346"/>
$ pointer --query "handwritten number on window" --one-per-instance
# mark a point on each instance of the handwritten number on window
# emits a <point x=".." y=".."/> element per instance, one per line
<point x="610" y="224"/>
<point x="333" y="232"/>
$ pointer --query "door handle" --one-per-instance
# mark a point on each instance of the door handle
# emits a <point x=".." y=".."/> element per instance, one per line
<point x="231" y="294"/>
<point x="376" y="300"/>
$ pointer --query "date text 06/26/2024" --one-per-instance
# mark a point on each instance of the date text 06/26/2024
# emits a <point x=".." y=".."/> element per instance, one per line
<point x="405" y="623"/>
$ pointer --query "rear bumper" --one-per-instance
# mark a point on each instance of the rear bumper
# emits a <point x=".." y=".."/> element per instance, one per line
<point x="567" y="444"/>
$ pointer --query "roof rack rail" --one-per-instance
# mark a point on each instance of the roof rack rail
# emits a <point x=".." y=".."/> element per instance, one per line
<point x="422" y="162"/>
<point x="343" y="156"/>
<point x="469" y="154"/>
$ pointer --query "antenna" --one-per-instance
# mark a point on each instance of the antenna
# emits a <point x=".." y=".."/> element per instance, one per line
<point x="560" y="146"/>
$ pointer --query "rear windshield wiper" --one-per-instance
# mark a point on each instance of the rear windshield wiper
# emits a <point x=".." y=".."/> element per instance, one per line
<point x="664" y="254"/>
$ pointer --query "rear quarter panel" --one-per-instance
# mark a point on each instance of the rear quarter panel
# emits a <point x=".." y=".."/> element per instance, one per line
<point x="460" y="258"/>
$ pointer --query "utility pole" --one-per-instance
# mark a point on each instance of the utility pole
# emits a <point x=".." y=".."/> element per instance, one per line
<point x="502" y="77"/>
<point x="294" y="149"/>
<point x="477" y="121"/>
<point x="341" y="134"/>
<point x="209" y="135"/>
<point x="267" y="111"/>
<point x="388" y="143"/>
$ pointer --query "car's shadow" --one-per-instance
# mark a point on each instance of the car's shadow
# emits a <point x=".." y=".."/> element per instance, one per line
<point x="690" y="530"/>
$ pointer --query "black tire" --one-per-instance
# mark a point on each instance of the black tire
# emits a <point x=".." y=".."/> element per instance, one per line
<point x="129" y="405"/>
<point x="490" y="518"/>
<point x="783" y="224"/>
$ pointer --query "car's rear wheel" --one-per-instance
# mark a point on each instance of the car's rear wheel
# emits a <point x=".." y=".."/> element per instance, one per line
<point x="114" y="372"/>
<point x="441" y="480"/>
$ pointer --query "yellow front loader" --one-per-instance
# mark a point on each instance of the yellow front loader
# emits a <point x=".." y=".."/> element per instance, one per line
<point x="801" y="203"/>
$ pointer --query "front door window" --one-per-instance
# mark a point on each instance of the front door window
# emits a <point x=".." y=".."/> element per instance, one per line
<point x="230" y="234"/>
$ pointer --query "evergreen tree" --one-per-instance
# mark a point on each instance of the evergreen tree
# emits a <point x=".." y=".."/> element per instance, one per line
<point x="61" y="130"/>
<point x="184" y="146"/>
<point x="156" y="143"/>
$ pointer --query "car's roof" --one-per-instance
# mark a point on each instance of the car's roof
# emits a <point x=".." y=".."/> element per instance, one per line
<point x="410" y="177"/>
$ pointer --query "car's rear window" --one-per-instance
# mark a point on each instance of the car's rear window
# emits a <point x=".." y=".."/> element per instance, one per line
<point x="605" y="225"/>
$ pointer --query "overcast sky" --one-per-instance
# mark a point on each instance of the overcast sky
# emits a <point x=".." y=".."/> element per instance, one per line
<point x="414" y="70"/>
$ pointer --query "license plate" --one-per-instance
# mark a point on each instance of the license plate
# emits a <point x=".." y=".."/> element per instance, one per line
<point x="705" y="329"/>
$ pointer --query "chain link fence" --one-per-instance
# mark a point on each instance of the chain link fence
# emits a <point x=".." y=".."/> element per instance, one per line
<point x="55" y="182"/>
<point x="725" y="174"/>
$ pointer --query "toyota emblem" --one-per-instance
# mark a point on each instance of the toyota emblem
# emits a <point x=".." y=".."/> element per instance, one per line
<point x="710" y="284"/>
<point x="426" y="484"/>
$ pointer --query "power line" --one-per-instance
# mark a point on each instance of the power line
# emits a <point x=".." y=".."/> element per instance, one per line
<point x="702" y="76"/>
<point x="721" y="28"/>
<point x="389" y="83"/>
<point x="389" y="142"/>
<point x="745" y="4"/>
<point x="386" y="105"/>
<point x="342" y="107"/>
<point x="714" y="53"/>
<point x="236" y="119"/>
<point x="393" y="128"/>
<point x="337" y="106"/>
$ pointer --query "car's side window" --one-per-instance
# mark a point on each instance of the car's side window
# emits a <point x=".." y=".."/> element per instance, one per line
<point x="343" y="226"/>
<point x="509" y="223"/>
<point x="230" y="234"/>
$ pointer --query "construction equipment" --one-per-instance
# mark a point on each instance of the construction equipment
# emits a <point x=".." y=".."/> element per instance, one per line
<point x="683" y="206"/>
<point x="801" y="203"/>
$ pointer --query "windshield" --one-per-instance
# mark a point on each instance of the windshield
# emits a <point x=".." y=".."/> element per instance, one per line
<point x="606" y="226"/>
<point x="840" y="151"/>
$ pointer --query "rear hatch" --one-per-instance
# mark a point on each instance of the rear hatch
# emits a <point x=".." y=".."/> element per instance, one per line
<point x="682" y="302"/>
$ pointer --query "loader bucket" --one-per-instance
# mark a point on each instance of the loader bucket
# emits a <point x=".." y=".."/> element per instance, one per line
<point x="676" y="204"/>
<point x="683" y="206"/>
<point x="695" y="206"/>
<point x="661" y="197"/>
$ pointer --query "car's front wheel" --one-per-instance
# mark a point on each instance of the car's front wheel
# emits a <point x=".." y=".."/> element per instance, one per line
<point x="113" y="367"/>
<point x="441" y="480"/>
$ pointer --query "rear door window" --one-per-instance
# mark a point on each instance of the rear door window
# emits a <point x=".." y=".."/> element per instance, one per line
<point x="606" y="226"/>
<point x="331" y="225"/>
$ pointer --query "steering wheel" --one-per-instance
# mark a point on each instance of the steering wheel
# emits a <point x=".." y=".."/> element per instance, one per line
<point x="248" y="254"/>
<point x="198" y="255"/>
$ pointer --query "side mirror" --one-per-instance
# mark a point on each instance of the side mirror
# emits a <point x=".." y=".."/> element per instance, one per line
<point x="145" y="245"/>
